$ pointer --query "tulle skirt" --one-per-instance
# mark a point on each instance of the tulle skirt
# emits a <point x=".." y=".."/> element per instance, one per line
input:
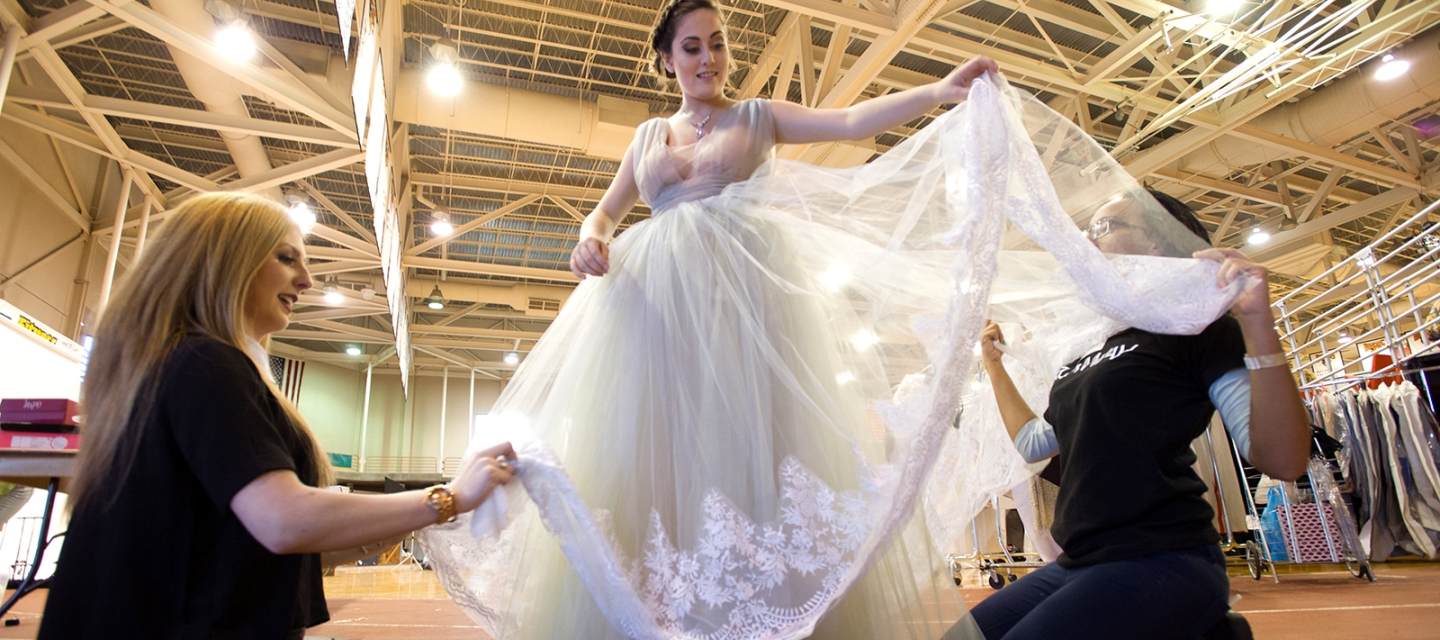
<point x="714" y="368"/>
<point x="727" y="435"/>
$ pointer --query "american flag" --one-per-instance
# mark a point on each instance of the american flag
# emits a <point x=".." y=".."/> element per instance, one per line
<point x="287" y="375"/>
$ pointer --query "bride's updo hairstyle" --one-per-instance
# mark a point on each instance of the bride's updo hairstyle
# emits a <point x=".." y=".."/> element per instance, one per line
<point x="662" y="36"/>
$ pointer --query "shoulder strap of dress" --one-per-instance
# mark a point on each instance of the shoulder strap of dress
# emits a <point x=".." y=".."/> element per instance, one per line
<point x="756" y="115"/>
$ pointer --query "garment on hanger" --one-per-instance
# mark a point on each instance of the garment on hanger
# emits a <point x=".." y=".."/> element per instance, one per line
<point x="1390" y="459"/>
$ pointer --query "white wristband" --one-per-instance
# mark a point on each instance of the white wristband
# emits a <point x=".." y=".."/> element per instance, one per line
<point x="1266" y="361"/>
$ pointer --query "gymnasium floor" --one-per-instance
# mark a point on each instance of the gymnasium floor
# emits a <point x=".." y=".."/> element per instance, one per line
<point x="1310" y="603"/>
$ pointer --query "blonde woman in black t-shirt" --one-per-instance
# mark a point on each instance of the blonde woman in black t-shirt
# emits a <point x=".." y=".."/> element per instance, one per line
<point x="1140" y="556"/>
<point x="197" y="509"/>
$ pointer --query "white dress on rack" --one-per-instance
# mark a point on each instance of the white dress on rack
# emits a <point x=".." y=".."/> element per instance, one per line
<point x="710" y="433"/>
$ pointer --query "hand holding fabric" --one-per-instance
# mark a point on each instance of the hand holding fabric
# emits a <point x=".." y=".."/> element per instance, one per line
<point x="480" y="474"/>
<point x="956" y="86"/>
<point x="1255" y="294"/>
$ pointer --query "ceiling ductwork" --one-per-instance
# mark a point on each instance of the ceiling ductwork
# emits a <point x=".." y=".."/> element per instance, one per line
<point x="602" y="129"/>
<point x="220" y="93"/>
<point x="1332" y="114"/>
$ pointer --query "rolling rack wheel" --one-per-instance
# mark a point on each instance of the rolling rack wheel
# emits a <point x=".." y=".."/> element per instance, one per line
<point x="996" y="580"/>
<point x="1359" y="568"/>
<point x="1254" y="560"/>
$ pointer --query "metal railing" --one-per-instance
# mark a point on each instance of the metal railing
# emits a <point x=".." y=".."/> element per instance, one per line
<point x="1378" y="296"/>
<point x="21" y="534"/>
<point x="399" y="464"/>
<point x="451" y="465"/>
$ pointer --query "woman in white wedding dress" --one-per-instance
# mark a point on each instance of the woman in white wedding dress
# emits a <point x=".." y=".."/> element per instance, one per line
<point x="709" y="430"/>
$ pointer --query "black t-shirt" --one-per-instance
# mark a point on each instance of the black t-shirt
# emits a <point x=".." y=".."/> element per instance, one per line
<point x="1124" y="417"/>
<point x="169" y="559"/>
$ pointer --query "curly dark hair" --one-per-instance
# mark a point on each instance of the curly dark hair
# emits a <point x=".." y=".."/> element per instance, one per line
<point x="662" y="36"/>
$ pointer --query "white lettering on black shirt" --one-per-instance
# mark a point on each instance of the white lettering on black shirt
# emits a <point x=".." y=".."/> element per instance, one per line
<point x="1096" y="358"/>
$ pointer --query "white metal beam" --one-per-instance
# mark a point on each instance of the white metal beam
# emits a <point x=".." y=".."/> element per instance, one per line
<point x="481" y="268"/>
<point x="471" y="225"/>
<point x="325" y="201"/>
<point x="15" y="158"/>
<point x="1393" y="197"/>
<point x="60" y="73"/>
<point x="176" y="115"/>
<point x="296" y="170"/>
<point x="172" y="34"/>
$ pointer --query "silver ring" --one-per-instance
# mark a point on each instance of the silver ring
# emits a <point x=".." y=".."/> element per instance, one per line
<point x="502" y="463"/>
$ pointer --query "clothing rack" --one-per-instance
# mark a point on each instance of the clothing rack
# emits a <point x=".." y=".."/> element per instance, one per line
<point x="1385" y="289"/>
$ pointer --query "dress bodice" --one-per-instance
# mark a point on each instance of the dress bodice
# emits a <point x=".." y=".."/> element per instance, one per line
<point x="742" y="140"/>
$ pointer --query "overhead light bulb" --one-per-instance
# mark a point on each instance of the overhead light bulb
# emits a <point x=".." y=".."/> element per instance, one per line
<point x="1345" y="338"/>
<point x="436" y="299"/>
<point x="302" y="215"/>
<point x="332" y="292"/>
<point x="512" y="358"/>
<point x="444" y="78"/>
<point x="353" y="350"/>
<point x="1258" y="237"/>
<point x="234" y="42"/>
<point x="845" y="377"/>
<point x="1391" y="68"/>
<point x="441" y="226"/>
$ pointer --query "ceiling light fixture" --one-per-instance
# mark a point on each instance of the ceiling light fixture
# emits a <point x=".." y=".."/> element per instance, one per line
<point x="1345" y="338"/>
<point x="300" y="212"/>
<point x="441" y="226"/>
<point x="436" y="300"/>
<point x="353" y="350"/>
<point x="234" y="42"/>
<point x="332" y="292"/>
<point x="1258" y="237"/>
<point x="512" y="358"/>
<point x="444" y="78"/>
<point x="1391" y="68"/>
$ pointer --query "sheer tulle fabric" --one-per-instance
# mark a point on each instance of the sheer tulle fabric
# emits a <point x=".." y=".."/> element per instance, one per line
<point x="727" y="435"/>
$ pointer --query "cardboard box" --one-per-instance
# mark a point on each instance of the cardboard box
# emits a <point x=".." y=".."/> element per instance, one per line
<point x="39" y="411"/>
<point x="34" y="441"/>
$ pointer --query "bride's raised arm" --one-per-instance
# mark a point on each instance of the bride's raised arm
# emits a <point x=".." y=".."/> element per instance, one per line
<point x="798" y="124"/>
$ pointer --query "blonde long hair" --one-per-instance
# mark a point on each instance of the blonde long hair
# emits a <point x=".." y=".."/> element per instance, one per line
<point x="193" y="278"/>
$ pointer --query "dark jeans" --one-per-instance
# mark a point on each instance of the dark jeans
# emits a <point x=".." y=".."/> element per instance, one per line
<point x="1177" y="594"/>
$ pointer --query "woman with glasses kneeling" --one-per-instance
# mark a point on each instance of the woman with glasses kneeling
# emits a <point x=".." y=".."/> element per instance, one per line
<point x="1140" y="555"/>
<point x="197" y="510"/>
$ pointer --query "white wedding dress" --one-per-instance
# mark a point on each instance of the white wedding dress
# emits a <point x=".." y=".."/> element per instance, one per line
<point x="726" y="436"/>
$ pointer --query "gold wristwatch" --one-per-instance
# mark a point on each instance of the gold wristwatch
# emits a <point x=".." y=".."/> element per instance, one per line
<point x="442" y="501"/>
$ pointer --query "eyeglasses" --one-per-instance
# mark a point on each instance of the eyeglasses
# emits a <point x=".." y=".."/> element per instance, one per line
<point x="1105" y="225"/>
